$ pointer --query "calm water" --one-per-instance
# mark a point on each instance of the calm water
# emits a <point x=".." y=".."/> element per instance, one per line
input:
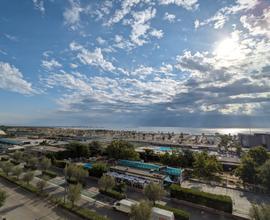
<point x="190" y="130"/>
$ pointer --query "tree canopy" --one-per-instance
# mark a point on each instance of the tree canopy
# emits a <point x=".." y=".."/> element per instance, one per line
<point x="154" y="192"/>
<point x="206" y="165"/>
<point x="119" y="149"/>
<point x="141" y="211"/>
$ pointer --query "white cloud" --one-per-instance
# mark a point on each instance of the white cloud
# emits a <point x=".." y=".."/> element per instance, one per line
<point x="187" y="4"/>
<point x="11" y="37"/>
<point x="169" y="17"/>
<point x="126" y="7"/>
<point x="100" y="40"/>
<point x="157" y="33"/>
<point x="94" y="58"/>
<point x="39" y="5"/>
<point x="140" y="25"/>
<point x="258" y="25"/>
<point x="222" y="15"/>
<point x="51" y="64"/>
<point x="11" y="79"/>
<point x="72" y="15"/>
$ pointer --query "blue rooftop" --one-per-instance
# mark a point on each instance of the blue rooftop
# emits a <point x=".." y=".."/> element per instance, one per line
<point x="8" y="141"/>
<point x="148" y="166"/>
<point x="87" y="166"/>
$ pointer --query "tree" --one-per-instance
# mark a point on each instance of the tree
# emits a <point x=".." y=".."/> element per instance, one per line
<point x="264" y="174"/>
<point x="74" y="193"/>
<point x="247" y="170"/>
<point x="95" y="148"/>
<point x="41" y="184"/>
<point x="141" y="211"/>
<point x="45" y="163"/>
<point x="32" y="162"/>
<point x="206" y="165"/>
<point x="75" y="172"/>
<point x="98" y="169"/>
<point x="188" y="158"/>
<point x="18" y="155"/>
<point x="3" y="197"/>
<point x="27" y="177"/>
<point x="78" y="149"/>
<point x="7" y="167"/>
<point x="119" y="149"/>
<point x="258" y="154"/>
<point x="17" y="171"/>
<point x="154" y="192"/>
<point x="106" y="182"/>
<point x="80" y="174"/>
<point x="260" y="212"/>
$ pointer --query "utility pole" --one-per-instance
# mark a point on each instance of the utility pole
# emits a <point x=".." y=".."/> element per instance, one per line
<point x="65" y="171"/>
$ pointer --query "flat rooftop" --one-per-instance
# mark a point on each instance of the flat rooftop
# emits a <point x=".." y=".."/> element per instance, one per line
<point x="48" y="149"/>
<point x="139" y="173"/>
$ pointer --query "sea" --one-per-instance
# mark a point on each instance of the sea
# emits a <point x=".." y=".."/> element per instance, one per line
<point x="188" y="130"/>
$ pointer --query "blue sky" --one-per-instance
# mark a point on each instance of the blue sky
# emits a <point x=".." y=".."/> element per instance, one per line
<point x="135" y="63"/>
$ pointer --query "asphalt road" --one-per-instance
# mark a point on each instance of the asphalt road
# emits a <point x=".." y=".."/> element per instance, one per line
<point x="23" y="205"/>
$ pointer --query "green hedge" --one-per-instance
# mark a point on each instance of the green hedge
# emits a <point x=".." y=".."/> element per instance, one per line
<point x="178" y="213"/>
<point x="220" y="202"/>
<point x="49" y="173"/>
<point x="114" y="194"/>
<point x="82" y="212"/>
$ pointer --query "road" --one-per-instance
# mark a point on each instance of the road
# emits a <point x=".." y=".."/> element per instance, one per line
<point x="23" y="205"/>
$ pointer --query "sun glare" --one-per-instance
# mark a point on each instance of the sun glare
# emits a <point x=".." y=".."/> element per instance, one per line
<point x="227" y="48"/>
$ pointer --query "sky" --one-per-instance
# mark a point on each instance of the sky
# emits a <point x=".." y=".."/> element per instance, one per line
<point x="193" y="63"/>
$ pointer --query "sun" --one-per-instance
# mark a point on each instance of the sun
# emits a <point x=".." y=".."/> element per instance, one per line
<point x="227" y="48"/>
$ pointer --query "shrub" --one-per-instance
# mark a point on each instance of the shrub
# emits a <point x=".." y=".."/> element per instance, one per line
<point x="178" y="213"/>
<point x="4" y="158"/>
<point x="114" y="194"/>
<point x="98" y="169"/>
<point x="49" y="173"/>
<point x="220" y="202"/>
<point x="15" y="162"/>
<point x="60" y="163"/>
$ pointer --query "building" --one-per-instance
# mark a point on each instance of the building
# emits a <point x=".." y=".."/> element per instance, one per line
<point x="43" y="150"/>
<point x="139" y="174"/>
<point x="2" y="133"/>
<point x="253" y="140"/>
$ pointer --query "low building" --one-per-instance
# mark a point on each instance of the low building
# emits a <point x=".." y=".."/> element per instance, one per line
<point x="43" y="150"/>
<point x="253" y="140"/>
<point x="138" y="174"/>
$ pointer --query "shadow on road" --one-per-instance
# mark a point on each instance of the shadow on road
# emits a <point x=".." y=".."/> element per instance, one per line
<point x="9" y="209"/>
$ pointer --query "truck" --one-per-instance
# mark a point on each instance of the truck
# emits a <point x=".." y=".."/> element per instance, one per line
<point x="125" y="205"/>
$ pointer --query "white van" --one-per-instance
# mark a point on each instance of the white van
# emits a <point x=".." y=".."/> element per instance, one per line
<point x="124" y="205"/>
<point x="161" y="214"/>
